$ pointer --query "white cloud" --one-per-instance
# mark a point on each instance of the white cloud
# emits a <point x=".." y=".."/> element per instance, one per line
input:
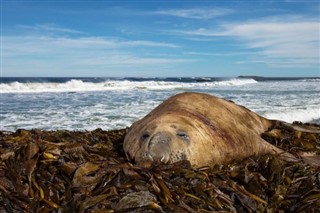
<point x="287" y="39"/>
<point x="149" y="44"/>
<point x="51" y="48"/>
<point x="49" y="28"/>
<point x="195" y="13"/>
<point x="26" y="45"/>
<point x="221" y="54"/>
<point x="41" y="54"/>
<point x="125" y="59"/>
<point x="284" y="63"/>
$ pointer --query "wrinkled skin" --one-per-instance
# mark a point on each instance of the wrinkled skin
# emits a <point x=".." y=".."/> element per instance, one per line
<point x="201" y="128"/>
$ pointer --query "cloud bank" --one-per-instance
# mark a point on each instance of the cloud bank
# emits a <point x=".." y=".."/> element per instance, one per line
<point x="53" y="52"/>
<point x="293" y="41"/>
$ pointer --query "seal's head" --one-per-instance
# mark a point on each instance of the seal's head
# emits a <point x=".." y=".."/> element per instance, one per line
<point x="164" y="139"/>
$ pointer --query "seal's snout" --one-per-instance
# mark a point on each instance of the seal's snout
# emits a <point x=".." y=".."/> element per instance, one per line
<point x="155" y="150"/>
<point x="159" y="147"/>
<point x="160" y="138"/>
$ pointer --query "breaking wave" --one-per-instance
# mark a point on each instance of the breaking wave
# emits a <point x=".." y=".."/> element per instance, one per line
<point x="76" y="85"/>
<point x="291" y="115"/>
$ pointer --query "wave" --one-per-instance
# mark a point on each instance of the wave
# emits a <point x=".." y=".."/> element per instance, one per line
<point x="76" y="85"/>
<point x="311" y="80"/>
<point x="291" y="115"/>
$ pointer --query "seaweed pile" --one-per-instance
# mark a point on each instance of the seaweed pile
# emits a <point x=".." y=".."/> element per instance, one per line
<point x="63" y="171"/>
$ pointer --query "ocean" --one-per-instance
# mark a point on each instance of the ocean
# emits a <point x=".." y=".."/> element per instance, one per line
<point x="114" y="103"/>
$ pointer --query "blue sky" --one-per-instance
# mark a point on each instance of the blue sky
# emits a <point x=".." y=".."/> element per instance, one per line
<point x="160" y="38"/>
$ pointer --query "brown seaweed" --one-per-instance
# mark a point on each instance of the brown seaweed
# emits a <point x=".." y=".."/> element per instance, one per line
<point x="63" y="171"/>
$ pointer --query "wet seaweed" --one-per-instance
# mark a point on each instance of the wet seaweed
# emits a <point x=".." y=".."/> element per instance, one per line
<point x="63" y="171"/>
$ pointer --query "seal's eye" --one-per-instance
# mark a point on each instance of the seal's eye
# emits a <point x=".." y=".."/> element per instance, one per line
<point x="144" y="136"/>
<point x="183" y="135"/>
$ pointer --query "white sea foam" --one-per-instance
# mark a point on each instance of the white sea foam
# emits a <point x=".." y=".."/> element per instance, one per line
<point x="311" y="80"/>
<point x="107" y="112"/>
<point x="26" y="105"/>
<point x="233" y="82"/>
<point x="79" y="85"/>
<point x="291" y="115"/>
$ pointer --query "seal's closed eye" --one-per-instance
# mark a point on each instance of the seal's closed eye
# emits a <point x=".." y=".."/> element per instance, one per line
<point x="183" y="135"/>
<point x="144" y="136"/>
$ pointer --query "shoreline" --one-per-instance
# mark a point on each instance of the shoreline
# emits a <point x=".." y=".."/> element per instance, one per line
<point x="87" y="171"/>
<point x="314" y="122"/>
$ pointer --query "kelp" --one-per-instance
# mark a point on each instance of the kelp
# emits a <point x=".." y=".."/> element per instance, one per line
<point x="64" y="171"/>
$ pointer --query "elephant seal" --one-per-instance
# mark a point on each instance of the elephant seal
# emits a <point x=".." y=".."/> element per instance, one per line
<point x="201" y="128"/>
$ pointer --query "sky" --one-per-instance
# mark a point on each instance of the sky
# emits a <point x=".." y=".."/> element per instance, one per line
<point x="167" y="38"/>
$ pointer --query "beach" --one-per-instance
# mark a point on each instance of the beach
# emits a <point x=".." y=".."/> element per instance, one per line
<point x="61" y="148"/>
<point x="87" y="171"/>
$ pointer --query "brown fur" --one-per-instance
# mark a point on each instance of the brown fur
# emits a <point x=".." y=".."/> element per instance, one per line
<point x="217" y="131"/>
